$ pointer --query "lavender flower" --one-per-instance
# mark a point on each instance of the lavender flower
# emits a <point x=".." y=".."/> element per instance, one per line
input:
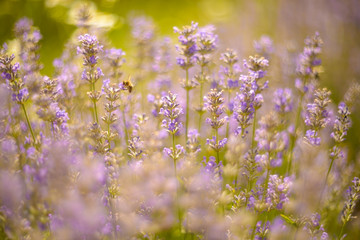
<point x="264" y="46"/>
<point x="245" y="104"/>
<point x="187" y="47"/>
<point x="214" y="105"/>
<point x="278" y="191"/>
<point x="283" y="100"/>
<point x="90" y="48"/>
<point x="341" y="124"/>
<point x="353" y="194"/>
<point x="317" y="116"/>
<point x="308" y="63"/>
<point x="171" y="110"/>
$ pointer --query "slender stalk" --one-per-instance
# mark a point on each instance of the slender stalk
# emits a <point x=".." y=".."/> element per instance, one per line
<point x="266" y="182"/>
<point x="201" y="105"/>
<point x="187" y="105"/>
<point x="173" y="144"/>
<point x="293" y="139"/>
<point x="253" y="131"/>
<point x="326" y="178"/>
<point x="94" y="103"/>
<point x="228" y="122"/>
<point x="28" y="123"/>
<point x="342" y="230"/>
<point x="125" y="129"/>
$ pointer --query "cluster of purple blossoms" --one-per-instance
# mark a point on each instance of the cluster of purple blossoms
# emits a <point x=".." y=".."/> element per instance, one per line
<point x="214" y="105"/>
<point x="353" y="195"/>
<point x="216" y="144"/>
<point x="257" y="67"/>
<point x="317" y="116"/>
<point x="229" y="74"/>
<point x="29" y="37"/>
<point x="10" y="73"/>
<point x="90" y="48"/>
<point x="187" y="48"/>
<point x="278" y="191"/>
<point x="262" y="230"/>
<point x="171" y="110"/>
<point x="314" y="228"/>
<point x="283" y="100"/>
<point x="271" y="141"/>
<point x="264" y="46"/>
<point x="308" y="62"/>
<point x="342" y="123"/>
<point x="245" y="104"/>
<point x="115" y="59"/>
<point x="193" y="145"/>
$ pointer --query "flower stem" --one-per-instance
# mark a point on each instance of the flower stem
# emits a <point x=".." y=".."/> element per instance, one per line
<point x="94" y="103"/>
<point x="293" y="139"/>
<point x="28" y="123"/>
<point x="253" y="131"/>
<point x="187" y="105"/>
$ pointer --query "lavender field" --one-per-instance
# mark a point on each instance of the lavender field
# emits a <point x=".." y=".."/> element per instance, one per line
<point x="202" y="130"/>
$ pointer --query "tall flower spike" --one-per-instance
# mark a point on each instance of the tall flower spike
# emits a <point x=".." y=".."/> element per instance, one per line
<point x="90" y="48"/>
<point x="187" y="50"/>
<point x="264" y="46"/>
<point x="206" y="42"/>
<point x="317" y="116"/>
<point x="214" y="105"/>
<point x="10" y="73"/>
<point x="308" y="64"/>
<point x="245" y="104"/>
<point x="353" y="195"/>
<point x="171" y="111"/>
<point x="283" y="100"/>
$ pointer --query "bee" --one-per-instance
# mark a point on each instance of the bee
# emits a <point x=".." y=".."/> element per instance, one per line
<point x="128" y="84"/>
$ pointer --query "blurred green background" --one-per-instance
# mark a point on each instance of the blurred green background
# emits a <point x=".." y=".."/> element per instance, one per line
<point x="238" y="22"/>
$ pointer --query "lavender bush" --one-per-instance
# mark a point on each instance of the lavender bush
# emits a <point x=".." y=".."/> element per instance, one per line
<point x="183" y="143"/>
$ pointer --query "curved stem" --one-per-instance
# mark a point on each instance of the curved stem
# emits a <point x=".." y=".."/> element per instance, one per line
<point x="28" y="123"/>
<point x="187" y="105"/>
<point x="293" y="139"/>
<point x="94" y="104"/>
<point x="253" y="131"/>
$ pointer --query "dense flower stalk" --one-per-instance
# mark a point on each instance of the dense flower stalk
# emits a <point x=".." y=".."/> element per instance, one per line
<point x="206" y="45"/>
<point x="214" y="105"/>
<point x="317" y="116"/>
<point x="10" y="73"/>
<point x="90" y="48"/>
<point x="229" y="79"/>
<point x="353" y="195"/>
<point x="171" y="111"/>
<point x="187" y="50"/>
<point x="308" y="71"/>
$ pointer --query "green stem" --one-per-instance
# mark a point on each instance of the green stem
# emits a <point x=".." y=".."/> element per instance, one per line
<point x="266" y="183"/>
<point x="125" y="129"/>
<point x="94" y="103"/>
<point x="326" y="178"/>
<point x="293" y="139"/>
<point x="228" y="122"/>
<point x="201" y="105"/>
<point x="187" y="105"/>
<point x="28" y="123"/>
<point x="342" y="230"/>
<point x="253" y="132"/>
<point x="217" y="152"/>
